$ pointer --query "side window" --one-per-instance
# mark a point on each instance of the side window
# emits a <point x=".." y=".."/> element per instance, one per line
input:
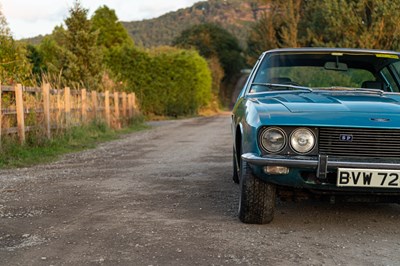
<point x="389" y="77"/>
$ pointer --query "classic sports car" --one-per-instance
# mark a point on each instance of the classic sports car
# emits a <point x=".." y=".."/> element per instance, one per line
<point x="317" y="121"/>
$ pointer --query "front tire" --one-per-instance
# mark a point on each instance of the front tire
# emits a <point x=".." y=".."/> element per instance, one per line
<point x="257" y="198"/>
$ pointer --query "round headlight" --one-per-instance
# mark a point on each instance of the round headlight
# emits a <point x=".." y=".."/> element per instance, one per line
<point x="302" y="140"/>
<point x="273" y="139"/>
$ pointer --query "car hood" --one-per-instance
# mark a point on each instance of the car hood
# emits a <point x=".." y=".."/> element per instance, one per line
<point x="329" y="109"/>
<point x="336" y="102"/>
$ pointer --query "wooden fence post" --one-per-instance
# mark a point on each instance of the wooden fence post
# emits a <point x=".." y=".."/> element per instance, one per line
<point x="84" y="106"/>
<point x="67" y="99"/>
<point x="130" y="99"/>
<point x="46" y="108"/>
<point x="116" y="109"/>
<point x="129" y="105"/>
<point x="134" y="100"/>
<point x="20" y="113"/>
<point x="94" y="104"/>
<point x="59" y="109"/>
<point x="107" y="107"/>
<point x="124" y="105"/>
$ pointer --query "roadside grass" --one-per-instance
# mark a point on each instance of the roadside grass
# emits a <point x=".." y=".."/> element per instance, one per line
<point x="39" y="149"/>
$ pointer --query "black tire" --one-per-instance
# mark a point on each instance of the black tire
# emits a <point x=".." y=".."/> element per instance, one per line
<point x="257" y="198"/>
<point x="235" y="174"/>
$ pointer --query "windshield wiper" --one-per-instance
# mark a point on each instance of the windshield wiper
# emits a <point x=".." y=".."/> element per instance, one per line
<point x="275" y="86"/>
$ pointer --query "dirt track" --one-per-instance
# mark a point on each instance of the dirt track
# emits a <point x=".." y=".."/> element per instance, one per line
<point x="165" y="197"/>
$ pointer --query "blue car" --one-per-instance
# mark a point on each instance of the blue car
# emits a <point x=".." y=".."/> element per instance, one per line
<point x="319" y="122"/>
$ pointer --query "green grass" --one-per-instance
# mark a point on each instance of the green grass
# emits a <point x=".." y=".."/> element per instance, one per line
<point x="39" y="149"/>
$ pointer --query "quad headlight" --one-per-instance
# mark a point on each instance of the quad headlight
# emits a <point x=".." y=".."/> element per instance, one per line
<point x="302" y="140"/>
<point x="273" y="139"/>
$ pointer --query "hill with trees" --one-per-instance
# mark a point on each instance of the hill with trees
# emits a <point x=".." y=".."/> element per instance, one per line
<point x="235" y="16"/>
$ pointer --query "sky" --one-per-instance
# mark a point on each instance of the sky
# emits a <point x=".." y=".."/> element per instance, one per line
<point x="30" y="18"/>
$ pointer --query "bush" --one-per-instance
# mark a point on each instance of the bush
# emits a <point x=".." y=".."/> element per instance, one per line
<point x="167" y="81"/>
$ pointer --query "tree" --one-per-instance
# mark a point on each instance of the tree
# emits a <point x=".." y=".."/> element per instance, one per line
<point x="326" y="23"/>
<point x="55" y="58"/>
<point x="35" y="58"/>
<point x="276" y="28"/>
<point x="71" y="55"/>
<point x="288" y="19"/>
<point x="14" y="65"/>
<point x="216" y="45"/>
<point x="355" y="24"/>
<point x="85" y="60"/>
<point x="111" y="32"/>
<point x="211" y="40"/>
<point x="262" y="37"/>
<point x="4" y="29"/>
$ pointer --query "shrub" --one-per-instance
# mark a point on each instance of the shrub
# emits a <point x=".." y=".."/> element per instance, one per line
<point x="167" y="81"/>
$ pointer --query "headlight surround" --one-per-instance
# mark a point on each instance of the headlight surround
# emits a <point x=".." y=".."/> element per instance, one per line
<point x="302" y="140"/>
<point x="273" y="139"/>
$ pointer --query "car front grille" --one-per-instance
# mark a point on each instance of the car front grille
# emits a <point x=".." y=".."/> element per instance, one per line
<point x="360" y="142"/>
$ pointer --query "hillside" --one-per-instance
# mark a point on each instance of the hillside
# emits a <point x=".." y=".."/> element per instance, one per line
<point x="233" y="15"/>
<point x="236" y="16"/>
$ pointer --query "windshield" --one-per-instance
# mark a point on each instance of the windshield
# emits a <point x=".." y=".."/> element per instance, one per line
<point x="327" y="70"/>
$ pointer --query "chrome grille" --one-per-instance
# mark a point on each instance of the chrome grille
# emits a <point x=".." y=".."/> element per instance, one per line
<point x="374" y="143"/>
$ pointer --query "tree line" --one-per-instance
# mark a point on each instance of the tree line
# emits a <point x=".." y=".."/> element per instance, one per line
<point x="97" y="54"/>
<point x="371" y="24"/>
<point x="199" y="69"/>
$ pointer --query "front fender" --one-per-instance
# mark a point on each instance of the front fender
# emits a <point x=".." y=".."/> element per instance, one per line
<point x="245" y="122"/>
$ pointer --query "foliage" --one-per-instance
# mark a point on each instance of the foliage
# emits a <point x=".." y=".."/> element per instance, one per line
<point x="36" y="60"/>
<point x="85" y="62"/>
<point x="211" y="40"/>
<point x="235" y="16"/>
<point x="111" y="32"/>
<point x="167" y="81"/>
<point x="218" y="46"/>
<point x="262" y="37"/>
<point x="367" y="24"/>
<point x="14" y="65"/>
<point x="326" y="23"/>
<point x="71" y="56"/>
<point x="276" y="28"/>
<point x="217" y="73"/>
<point x="54" y="58"/>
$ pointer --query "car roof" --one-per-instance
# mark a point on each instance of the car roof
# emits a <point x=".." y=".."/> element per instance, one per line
<point x="331" y="50"/>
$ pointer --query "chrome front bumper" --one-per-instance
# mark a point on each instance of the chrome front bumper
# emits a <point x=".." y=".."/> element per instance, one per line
<point x="321" y="163"/>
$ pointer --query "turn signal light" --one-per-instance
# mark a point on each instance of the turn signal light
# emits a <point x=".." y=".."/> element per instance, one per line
<point x="276" y="170"/>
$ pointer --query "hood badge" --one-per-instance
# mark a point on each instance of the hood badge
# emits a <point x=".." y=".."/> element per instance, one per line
<point x="380" y="119"/>
<point x="346" y="137"/>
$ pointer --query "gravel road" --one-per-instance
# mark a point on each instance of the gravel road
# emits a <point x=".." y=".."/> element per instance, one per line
<point x="165" y="197"/>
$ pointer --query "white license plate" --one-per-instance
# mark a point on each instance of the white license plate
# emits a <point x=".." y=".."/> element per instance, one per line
<point x="349" y="177"/>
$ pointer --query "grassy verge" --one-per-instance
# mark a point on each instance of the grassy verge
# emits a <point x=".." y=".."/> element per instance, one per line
<point x="38" y="149"/>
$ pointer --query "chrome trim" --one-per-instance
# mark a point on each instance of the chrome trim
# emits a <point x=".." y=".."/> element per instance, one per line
<point x="312" y="162"/>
